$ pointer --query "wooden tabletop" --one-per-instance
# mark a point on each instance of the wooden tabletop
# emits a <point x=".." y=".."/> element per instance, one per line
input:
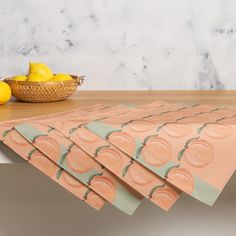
<point x="14" y="109"/>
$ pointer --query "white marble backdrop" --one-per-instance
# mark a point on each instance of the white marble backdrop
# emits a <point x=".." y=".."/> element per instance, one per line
<point x="124" y="44"/>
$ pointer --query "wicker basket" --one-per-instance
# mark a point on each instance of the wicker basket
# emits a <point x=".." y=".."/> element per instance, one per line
<point x="44" y="92"/>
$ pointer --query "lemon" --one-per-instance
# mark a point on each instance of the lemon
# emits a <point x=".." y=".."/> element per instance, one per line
<point x="5" y="92"/>
<point x="35" y="67"/>
<point x="36" y="77"/>
<point x="19" y="78"/>
<point x="61" y="77"/>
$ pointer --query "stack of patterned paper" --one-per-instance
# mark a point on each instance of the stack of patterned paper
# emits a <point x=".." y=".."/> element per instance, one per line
<point x="121" y="154"/>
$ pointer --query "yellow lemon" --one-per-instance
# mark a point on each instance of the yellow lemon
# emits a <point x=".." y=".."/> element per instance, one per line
<point x="61" y="77"/>
<point x="19" y="78"/>
<point x="35" y="67"/>
<point x="5" y="92"/>
<point x="36" y="77"/>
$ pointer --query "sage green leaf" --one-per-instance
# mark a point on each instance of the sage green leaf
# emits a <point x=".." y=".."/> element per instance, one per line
<point x="70" y="147"/>
<point x="138" y="152"/>
<point x="63" y="157"/>
<point x="86" y="194"/>
<point x="125" y="170"/>
<point x="169" y="169"/>
<point x="160" y="127"/>
<point x="50" y="129"/>
<point x="189" y="141"/>
<point x="92" y="176"/>
<point x="37" y="136"/>
<point x="72" y="130"/>
<point x="6" y="132"/>
<point x="113" y="131"/>
<point x="99" y="149"/>
<point x="31" y="153"/>
<point x="59" y="172"/>
<point x="199" y="130"/>
<point x="147" y="138"/>
<point x="181" y="153"/>
<point x="154" y="189"/>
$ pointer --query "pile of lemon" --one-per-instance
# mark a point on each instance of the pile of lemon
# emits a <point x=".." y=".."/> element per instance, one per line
<point x="39" y="72"/>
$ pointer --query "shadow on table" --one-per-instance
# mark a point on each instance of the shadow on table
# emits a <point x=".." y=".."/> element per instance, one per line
<point x="32" y="204"/>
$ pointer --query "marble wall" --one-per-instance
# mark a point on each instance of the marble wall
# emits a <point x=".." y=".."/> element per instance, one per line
<point x="124" y="44"/>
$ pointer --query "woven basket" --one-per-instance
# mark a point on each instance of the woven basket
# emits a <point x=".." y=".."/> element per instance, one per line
<point x="44" y="91"/>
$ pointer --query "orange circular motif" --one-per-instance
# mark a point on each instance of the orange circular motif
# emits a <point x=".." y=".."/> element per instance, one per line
<point x="48" y="146"/>
<point x="17" y="139"/>
<point x="124" y="141"/>
<point x="86" y="135"/>
<point x="141" y="126"/>
<point x="199" y="153"/>
<point x="182" y="179"/>
<point x="43" y="163"/>
<point x="177" y="130"/>
<point x="164" y="197"/>
<point x="95" y="200"/>
<point x="218" y="131"/>
<point x="110" y="158"/>
<point x="140" y="175"/>
<point x="104" y="186"/>
<point x="59" y="124"/>
<point x="79" y="161"/>
<point x="156" y="152"/>
<point x="70" y="180"/>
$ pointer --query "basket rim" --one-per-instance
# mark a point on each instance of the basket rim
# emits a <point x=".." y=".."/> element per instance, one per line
<point x="76" y="78"/>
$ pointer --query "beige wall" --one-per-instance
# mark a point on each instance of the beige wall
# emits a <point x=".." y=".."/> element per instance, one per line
<point x="32" y="205"/>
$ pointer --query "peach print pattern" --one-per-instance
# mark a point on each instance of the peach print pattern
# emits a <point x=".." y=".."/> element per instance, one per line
<point x="79" y="164"/>
<point x="15" y="141"/>
<point x="166" y="144"/>
<point x="138" y="177"/>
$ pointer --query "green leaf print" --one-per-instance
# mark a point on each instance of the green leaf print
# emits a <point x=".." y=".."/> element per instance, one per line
<point x="50" y="129"/>
<point x="37" y="136"/>
<point x="86" y="194"/>
<point x="92" y="176"/>
<point x="154" y="189"/>
<point x="63" y="157"/>
<point x="99" y="149"/>
<point x="181" y="153"/>
<point x="125" y="170"/>
<point x="113" y="131"/>
<point x="169" y="169"/>
<point x="59" y="172"/>
<point x="31" y="153"/>
<point x="199" y="130"/>
<point x="138" y="152"/>
<point x="70" y="147"/>
<point x="190" y="140"/>
<point x="6" y="132"/>
<point x="148" y="137"/>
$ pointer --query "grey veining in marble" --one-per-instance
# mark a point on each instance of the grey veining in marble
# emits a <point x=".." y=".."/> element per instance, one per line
<point x="125" y="44"/>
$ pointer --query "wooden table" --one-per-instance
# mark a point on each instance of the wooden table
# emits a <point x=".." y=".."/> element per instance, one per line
<point x="14" y="110"/>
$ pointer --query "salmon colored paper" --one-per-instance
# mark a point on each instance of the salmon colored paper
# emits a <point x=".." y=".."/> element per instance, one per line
<point x="87" y="171"/>
<point x="192" y="147"/>
<point x="24" y="149"/>
<point x="138" y="177"/>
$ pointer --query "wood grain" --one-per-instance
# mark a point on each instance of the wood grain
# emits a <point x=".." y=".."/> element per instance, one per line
<point x="15" y="110"/>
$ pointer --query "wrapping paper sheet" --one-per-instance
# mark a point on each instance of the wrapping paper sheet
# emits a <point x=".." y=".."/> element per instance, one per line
<point x="27" y="151"/>
<point x="92" y="175"/>
<point x="192" y="147"/>
<point x="121" y="154"/>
